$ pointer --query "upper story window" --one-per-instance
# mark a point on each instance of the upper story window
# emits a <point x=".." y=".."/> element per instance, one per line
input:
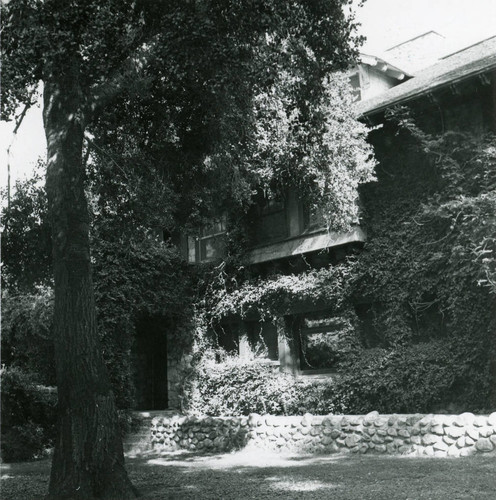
<point x="314" y="219"/>
<point x="271" y="222"/>
<point x="209" y="245"/>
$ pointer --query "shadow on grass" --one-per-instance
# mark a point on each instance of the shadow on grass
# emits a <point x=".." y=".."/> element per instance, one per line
<point x="255" y="474"/>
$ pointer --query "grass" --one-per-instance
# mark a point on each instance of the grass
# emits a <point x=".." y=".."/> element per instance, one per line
<point x="251" y="474"/>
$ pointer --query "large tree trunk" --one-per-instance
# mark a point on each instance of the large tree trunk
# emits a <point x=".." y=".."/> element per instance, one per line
<point x="88" y="461"/>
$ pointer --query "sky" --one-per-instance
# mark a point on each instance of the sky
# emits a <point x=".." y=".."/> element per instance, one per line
<point x="385" y="23"/>
<point x="388" y="22"/>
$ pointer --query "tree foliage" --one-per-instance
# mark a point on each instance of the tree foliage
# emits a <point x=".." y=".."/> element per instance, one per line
<point x="26" y="240"/>
<point x="207" y="57"/>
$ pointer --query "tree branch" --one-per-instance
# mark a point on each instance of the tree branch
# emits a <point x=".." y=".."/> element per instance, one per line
<point x="130" y="76"/>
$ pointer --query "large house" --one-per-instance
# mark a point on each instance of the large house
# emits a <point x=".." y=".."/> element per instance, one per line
<point x="449" y="91"/>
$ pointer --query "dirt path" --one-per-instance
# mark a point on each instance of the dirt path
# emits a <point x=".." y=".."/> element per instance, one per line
<point x="258" y="475"/>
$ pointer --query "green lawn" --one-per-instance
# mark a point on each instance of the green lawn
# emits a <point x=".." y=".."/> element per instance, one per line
<point x="255" y="475"/>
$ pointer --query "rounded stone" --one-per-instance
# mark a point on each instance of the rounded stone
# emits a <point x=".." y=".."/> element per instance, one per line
<point x="380" y="422"/>
<point x="480" y="421"/>
<point x="326" y="440"/>
<point x="485" y="431"/>
<point x="429" y="439"/>
<point x="491" y="420"/>
<point x="413" y="419"/>
<point x="371" y="415"/>
<point x="426" y="420"/>
<point x="484" y="445"/>
<point x="429" y="451"/>
<point x="448" y="440"/>
<point x="416" y="439"/>
<point x="472" y="433"/>
<point x="377" y="439"/>
<point x="437" y="429"/>
<point x="468" y="452"/>
<point x="467" y="418"/>
<point x="307" y="419"/>
<point x="253" y="419"/>
<point x="393" y="419"/>
<point x="454" y="451"/>
<point x="391" y="448"/>
<point x="352" y="441"/>
<point x="455" y="432"/>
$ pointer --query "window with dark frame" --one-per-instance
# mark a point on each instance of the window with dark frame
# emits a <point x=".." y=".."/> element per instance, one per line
<point x="319" y="343"/>
<point x="210" y="243"/>
<point x="263" y="339"/>
<point x="271" y="223"/>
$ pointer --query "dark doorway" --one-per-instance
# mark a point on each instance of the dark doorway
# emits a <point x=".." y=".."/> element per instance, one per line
<point x="150" y="364"/>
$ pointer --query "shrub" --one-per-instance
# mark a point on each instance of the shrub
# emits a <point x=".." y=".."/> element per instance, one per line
<point x="28" y="416"/>
<point x="425" y="377"/>
<point x="237" y="386"/>
<point x="24" y="442"/>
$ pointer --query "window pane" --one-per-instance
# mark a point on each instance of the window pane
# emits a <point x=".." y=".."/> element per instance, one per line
<point x="214" y="228"/>
<point x="322" y="342"/>
<point x="263" y="340"/>
<point x="319" y="349"/>
<point x="212" y="248"/>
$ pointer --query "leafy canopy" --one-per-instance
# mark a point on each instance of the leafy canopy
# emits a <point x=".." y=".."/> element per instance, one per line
<point x="214" y="98"/>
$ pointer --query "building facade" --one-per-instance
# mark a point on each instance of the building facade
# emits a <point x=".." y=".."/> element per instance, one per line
<point x="447" y="92"/>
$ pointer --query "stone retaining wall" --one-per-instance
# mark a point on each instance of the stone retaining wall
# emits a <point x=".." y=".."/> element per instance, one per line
<point x="434" y="435"/>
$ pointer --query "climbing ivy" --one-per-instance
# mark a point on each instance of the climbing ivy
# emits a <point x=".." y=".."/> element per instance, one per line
<point x="424" y="284"/>
<point x="427" y="270"/>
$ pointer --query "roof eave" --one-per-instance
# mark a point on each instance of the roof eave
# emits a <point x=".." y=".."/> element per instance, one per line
<point x="423" y="91"/>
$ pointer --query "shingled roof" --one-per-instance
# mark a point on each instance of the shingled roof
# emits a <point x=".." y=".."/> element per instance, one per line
<point x="466" y="63"/>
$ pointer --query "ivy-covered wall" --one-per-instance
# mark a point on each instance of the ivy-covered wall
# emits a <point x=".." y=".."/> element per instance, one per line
<point x="419" y="297"/>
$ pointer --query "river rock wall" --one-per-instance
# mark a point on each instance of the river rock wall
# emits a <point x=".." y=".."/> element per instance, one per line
<point x="433" y="435"/>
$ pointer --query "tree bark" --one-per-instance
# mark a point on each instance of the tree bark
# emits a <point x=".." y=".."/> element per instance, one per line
<point x="88" y="461"/>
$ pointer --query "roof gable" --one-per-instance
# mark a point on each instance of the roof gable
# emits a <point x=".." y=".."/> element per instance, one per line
<point x="466" y="63"/>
